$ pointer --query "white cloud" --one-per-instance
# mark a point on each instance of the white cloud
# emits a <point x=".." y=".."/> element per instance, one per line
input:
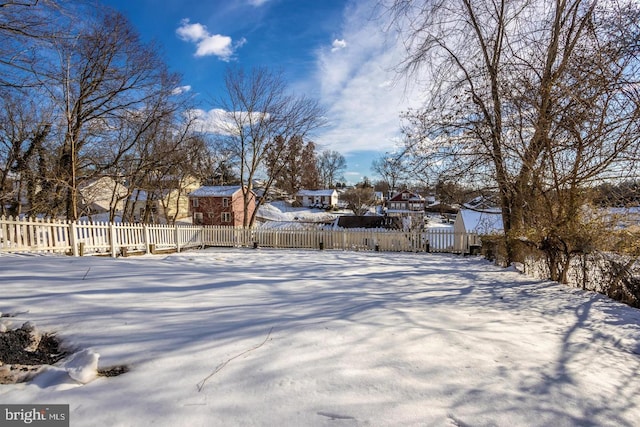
<point x="208" y="121"/>
<point x="215" y="45"/>
<point x="219" y="121"/>
<point x="258" y="3"/>
<point x="360" y="88"/>
<point x="191" y="32"/>
<point x="181" y="89"/>
<point x="338" y="45"/>
<point x="206" y="43"/>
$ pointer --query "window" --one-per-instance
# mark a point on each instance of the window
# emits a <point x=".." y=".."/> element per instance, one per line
<point x="226" y="217"/>
<point x="195" y="202"/>
<point x="197" y="217"/>
<point x="405" y="196"/>
<point x="225" y="203"/>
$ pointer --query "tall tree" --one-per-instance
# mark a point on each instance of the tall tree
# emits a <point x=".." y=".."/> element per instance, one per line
<point x="391" y="168"/>
<point x="26" y="27"/>
<point x="103" y="76"/>
<point x="292" y="164"/>
<point x="309" y="175"/>
<point x="24" y="131"/>
<point x="359" y="200"/>
<point x="331" y="166"/>
<point x="259" y="112"/>
<point x="539" y="97"/>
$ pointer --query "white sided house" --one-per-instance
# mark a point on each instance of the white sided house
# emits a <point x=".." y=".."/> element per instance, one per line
<point x="478" y="223"/>
<point x="317" y="198"/>
<point x="102" y="195"/>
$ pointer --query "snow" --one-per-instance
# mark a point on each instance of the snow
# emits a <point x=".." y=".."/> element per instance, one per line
<point x="326" y="192"/>
<point x="482" y="222"/>
<point x="79" y="369"/>
<point x="287" y="216"/>
<point x="215" y="191"/>
<point x="260" y="337"/>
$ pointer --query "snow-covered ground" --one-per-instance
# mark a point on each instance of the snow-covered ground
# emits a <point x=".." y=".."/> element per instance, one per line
<point x="232" y="337"/>
<point x="279" y="214"/>
<point x="282" y="211"/>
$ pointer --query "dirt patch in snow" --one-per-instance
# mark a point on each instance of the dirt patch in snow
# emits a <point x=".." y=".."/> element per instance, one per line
<point x="25" y="351"/>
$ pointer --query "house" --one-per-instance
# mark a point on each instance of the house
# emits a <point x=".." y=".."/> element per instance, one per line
<point x="477" y="223"/>
<point x="166" y="204"/>
<point x="317" y="198"/>
<point x="219" y="205"/>
<point x="102" y="195"/>
<point x="405" y="203"/>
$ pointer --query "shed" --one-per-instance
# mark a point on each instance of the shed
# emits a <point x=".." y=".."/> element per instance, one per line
<point x="477" y="222"/>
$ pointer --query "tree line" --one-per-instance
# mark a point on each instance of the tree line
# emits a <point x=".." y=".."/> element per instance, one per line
<point x="536" y="100"/>
<point x="83" y="97"/>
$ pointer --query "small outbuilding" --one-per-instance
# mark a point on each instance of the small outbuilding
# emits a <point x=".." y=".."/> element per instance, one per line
<point x="476" y="223"/>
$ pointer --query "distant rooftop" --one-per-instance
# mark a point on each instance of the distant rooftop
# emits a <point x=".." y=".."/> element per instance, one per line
<point x="215" y="191"/>
<point x="328" y="192"/>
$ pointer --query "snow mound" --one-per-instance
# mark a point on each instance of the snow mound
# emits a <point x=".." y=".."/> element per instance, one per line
<point x="280" y="214"/>
<point x="81" y="368"/>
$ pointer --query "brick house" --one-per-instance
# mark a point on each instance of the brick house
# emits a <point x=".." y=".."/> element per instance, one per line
<point x="219" y="205"/>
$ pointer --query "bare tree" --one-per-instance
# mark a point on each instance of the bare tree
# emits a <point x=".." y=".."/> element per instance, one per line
<point x="103" y="76"/>
<point x="391" y="169"/>
<point x="26" y="27"/>
<point x="257" y="111"/>
<point x="331" y="165"/>
<point x="160" y="158"/>
<point x="538" y="97"/>
<point x="359" y="200"/>
<point x="24" y="130"/>
<point x="84" y="99"/>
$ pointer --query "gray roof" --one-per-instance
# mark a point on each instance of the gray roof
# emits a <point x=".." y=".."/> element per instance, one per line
<point x="215" y="191"/>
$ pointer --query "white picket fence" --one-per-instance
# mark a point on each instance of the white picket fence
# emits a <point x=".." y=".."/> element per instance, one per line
<point x="85" y="238"/>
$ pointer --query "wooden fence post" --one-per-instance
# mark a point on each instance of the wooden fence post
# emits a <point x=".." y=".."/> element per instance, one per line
<point x="147" y="239"/>
<point x="112" y="239"/>
<point x="73" y="238"/>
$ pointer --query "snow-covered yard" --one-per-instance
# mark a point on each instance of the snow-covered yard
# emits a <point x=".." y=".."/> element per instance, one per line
<point x="261" y="337"/>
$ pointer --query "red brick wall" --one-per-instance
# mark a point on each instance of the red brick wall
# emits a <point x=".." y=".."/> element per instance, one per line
<point x="212" y="209"/>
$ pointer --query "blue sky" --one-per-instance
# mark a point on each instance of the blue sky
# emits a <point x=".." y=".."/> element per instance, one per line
<point x="334" y="50"/>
